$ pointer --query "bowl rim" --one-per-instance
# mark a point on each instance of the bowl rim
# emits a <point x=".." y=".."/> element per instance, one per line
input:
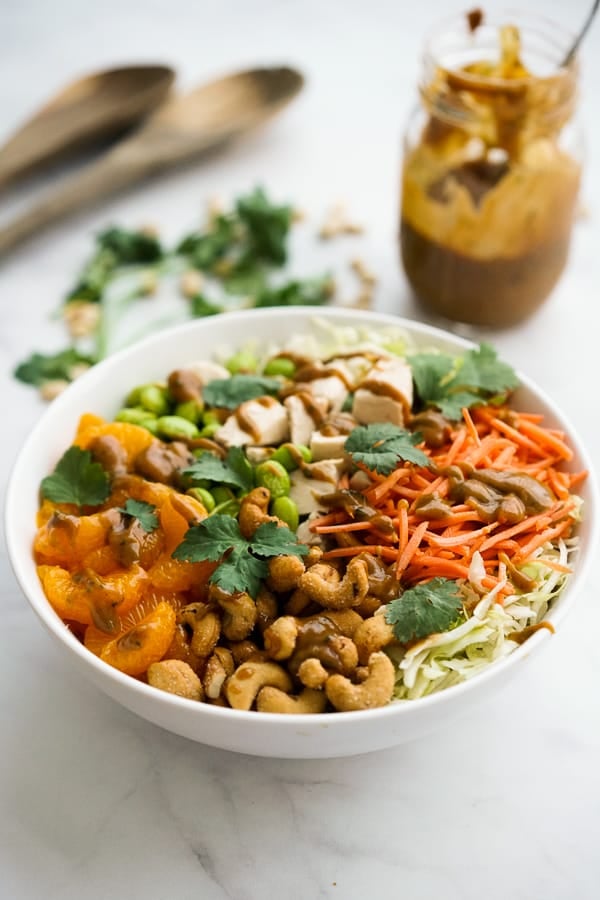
<point x="21" y="560"/>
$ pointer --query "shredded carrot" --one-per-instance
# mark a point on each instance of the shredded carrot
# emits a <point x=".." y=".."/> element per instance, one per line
<point x="421" y="549"/>
<point x="470" y="425"/>
<point x="405" y="556"/>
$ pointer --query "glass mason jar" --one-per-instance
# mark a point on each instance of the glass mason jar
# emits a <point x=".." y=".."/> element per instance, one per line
<point x="491" y="171"/>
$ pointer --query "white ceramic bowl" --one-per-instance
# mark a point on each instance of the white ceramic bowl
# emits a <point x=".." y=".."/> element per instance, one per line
<point x="262" y="734"/>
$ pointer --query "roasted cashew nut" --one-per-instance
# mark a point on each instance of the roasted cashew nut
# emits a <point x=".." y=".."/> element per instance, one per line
<point x="254" y="511"/>
<point x="272" y="700"/>
<point x="205" y="624"/>
<point x="285" y="573"/>
<point x="219" y="667"/>
<point x="242" y="651"/>
<point x="239" y="612"/>
<point x="280" y="637"/>
<point x="376" y="690"/>
<point x="267" y="608"/>
<point x="372" y="635"/>
<point x="247" y="680"/>
<point x="350" y="591"/>
<point x="313" y="673"/>
<point x="175" y="677"/>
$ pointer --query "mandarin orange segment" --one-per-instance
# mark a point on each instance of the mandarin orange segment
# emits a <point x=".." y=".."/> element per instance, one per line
<point x="86" y="422"/>
<point x="146" y="642"/>
<point x="176" y="575"/>
<point x="173" y="524"/>
<point x="65" y="539"/>
<point x="96" y="639"/>
<point x="131" y="437"/>
<point x="48" y="508"/>
<point x="102" y="561"/>
<point x="134" y="487"/>
<point x="86" y="597"/>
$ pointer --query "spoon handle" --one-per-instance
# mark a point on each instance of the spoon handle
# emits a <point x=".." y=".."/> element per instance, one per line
<point x="121" y="167"/>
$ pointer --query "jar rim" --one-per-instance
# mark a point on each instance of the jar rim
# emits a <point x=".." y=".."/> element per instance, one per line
<point x="545" y="30"/>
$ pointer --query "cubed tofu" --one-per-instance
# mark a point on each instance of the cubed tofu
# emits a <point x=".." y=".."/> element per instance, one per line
<point x="306" y="492"/>
<point x="324" y="446"/>
<point x="302" y="423"/>
<point x="262" y="422"/>
<point x="385" y="395"/>
<point x="208" y="371"/>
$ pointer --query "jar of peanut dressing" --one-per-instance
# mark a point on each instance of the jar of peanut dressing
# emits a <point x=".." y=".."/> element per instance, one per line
<point x="491" y="170"/>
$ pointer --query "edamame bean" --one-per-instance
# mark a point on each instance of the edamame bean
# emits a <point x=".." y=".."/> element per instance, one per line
<point x="222" y="494"/>
<point x="137" y="416"/>
<point x="280" y="365"/>
<point x="210" y="430"/>
<point x="205" y="497"/>
<point x="189" y="410"/>
<point x="211" y="417"/>
<point x="272" y="475"/>
<point x="290" y="455"/>
<point x="229" y="508"/>
<point x="176" y="428"/>
<point x="154" y="399"/>
<point x="244" y="361"/>
<point x="286" y="510"/>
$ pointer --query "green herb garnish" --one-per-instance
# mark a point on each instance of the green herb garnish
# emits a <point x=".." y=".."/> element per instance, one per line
<point x="381" y="447"/>
<point x="452" y="383"/>
<point x="42" y="367"/>
<point x="145" y="513"/>
<point x="234" y="470"/>
<point x="201" y="307"/>
<point x="228" y="393"/>
<point x="425" y="609"/>
<point x="77" y="479"/>
<point x="242" y="562"/>
<point x="311" y="292"/>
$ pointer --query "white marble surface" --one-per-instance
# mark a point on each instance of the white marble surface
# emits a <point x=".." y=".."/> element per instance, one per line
<point x="97" y="804"/>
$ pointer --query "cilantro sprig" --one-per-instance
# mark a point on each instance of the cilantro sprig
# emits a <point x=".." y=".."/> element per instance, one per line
<point x="452" y="383"/>
<point x="381" y="447"/>
<point x="145" y="513"/>
<point x="425" y="609"/>
<point x="242" y="563"/>
<point x="234" y="470"/>
<point x="41" y="367"/>
<point x="228" y="393"/>
<point x="77" y="479"/>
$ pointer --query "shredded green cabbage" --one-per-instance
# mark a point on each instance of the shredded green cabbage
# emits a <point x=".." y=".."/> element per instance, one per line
<point x="442" y="660"/>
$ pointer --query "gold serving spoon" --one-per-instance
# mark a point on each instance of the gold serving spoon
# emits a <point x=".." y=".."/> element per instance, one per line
<point x="93" y="108"/>
<point x="179" y="131"/>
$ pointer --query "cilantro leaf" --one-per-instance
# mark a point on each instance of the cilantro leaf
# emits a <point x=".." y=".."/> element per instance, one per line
<point x="201" y="307"/>
<point x="453" y="383"/>
<point x="204" y="249"/>
<point x="234" y="470"/>
<point x="240" y="572"/>
<point x="42" y="367"/>
<point x="267" y="227"/>
<point x="380" y="447"/>
<point x="271" y="539"/>
<point x="129" y="247"/>
<point x="77" y="479"/>
<point x="311" y="292"/>
<point x="218" y="539"/>
<point x="425" y="609"/>
<point x="230" y="392"/>
<point x="145" y="513"/>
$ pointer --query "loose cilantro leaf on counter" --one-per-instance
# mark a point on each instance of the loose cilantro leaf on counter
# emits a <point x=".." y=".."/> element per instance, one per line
<point x="242" y="562"/>
<point x="201" y="307"/>
<point x="267" y="227"/>
<point x="145" y="513"/>
<point x="425" y="609"/>
<point x="42" y="367"/>
<point x="129" y="247"/>
<point x="77" y="479"/>
<point x="234" y="470"/>
<point x="311" y="292"/>
<point x="382" y="446"/>
<point x="453" y="383"/>
<point x="228" y="393"/>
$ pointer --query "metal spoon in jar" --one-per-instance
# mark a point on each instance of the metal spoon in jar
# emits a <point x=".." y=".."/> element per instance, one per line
<point x="584" y="30"/>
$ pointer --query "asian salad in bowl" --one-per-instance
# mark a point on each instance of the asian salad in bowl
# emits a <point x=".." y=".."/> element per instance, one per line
<point x="339" y="520"/>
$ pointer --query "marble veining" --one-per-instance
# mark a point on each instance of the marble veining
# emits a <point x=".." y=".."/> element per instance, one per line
<point x="97" y="804"/>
